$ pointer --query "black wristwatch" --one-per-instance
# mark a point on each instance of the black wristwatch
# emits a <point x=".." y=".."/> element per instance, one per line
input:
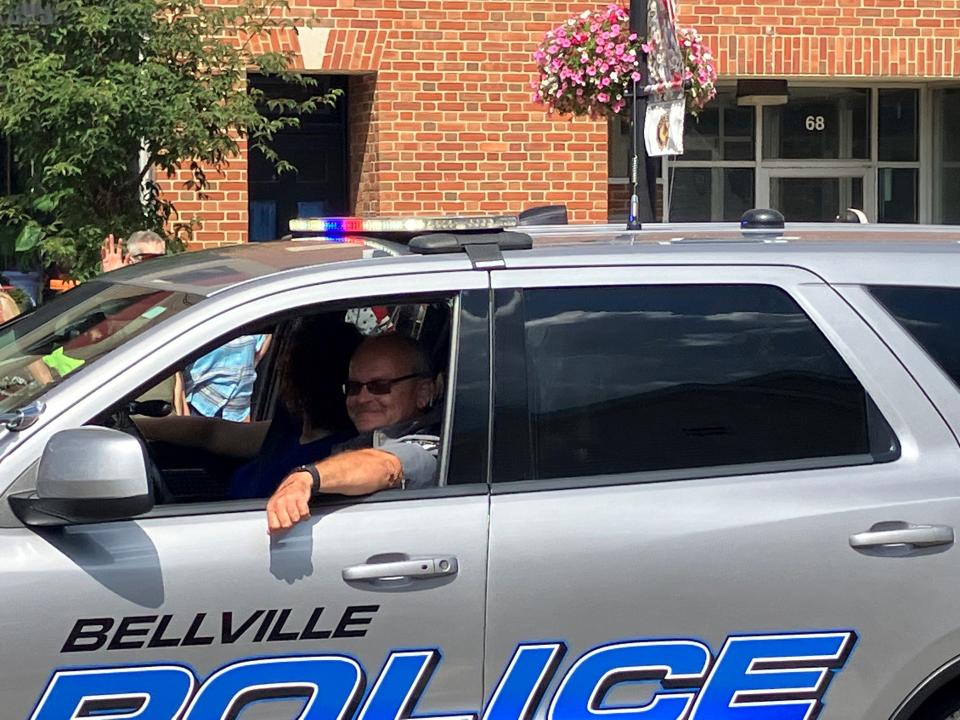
<point x="315" y="474"/>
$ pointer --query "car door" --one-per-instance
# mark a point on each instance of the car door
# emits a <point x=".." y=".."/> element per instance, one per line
<point x="195" y="606"/>
<point x="715" y="493"/>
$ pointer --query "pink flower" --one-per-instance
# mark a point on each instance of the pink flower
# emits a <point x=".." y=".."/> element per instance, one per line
<point x="587" y="63"/>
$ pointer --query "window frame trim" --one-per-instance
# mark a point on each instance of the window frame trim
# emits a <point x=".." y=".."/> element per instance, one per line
<point x="787" y="278"/>
<point x="926" y="180"/>
<point x="72" y="404"/>
<point x="711" y="472"/>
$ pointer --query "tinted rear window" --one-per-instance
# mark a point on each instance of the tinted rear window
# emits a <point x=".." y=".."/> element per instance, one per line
<point x="625" y="379"/>
<point x="932" y="316"/>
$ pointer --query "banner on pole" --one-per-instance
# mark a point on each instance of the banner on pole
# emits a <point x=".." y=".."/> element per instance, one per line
<point x="663" y="127"/>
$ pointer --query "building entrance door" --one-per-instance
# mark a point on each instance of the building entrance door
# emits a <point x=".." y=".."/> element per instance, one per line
<point x="317" y="148"/>
<point x="815" y="194"/>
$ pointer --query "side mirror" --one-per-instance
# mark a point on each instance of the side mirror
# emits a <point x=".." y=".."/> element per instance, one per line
<point x="86" y="475"/>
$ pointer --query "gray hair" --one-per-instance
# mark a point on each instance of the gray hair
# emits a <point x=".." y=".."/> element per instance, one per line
<point x="145" y="241"/>
<point x="410" y="349"/>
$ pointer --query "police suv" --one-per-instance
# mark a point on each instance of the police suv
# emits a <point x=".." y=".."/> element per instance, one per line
<point x="686" y="473"/>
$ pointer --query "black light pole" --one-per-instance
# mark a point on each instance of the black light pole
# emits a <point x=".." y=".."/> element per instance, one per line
<point x="643" y="169"/>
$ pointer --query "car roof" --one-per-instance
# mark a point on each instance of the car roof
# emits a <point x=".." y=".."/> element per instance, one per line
<point x="838" y="252"/>
<point x="206" y="272"/>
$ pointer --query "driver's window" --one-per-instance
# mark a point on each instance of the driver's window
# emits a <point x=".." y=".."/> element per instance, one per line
<point x="232" y="423"/>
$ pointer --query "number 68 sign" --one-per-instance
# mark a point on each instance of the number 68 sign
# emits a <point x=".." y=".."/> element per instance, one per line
<point x="815" y="122"/>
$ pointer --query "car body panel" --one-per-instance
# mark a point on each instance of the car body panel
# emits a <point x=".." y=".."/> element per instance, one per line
<point x="215" y="564"/>
<point x="710" y="558"/>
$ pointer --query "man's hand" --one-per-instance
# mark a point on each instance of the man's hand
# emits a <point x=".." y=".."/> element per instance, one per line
<point x="357" y="472"/>
<point x="111" y="255"/>
<point x="290" y="503"/>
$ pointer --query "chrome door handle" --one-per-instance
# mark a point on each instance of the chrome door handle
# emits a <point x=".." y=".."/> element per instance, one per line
<point x="413" y="568"/>
<point x="901" y="533"/>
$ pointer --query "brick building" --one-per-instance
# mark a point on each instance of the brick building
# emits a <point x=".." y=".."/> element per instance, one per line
<point x="436" y="118"/>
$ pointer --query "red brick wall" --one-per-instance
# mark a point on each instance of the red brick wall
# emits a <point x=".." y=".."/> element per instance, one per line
<point x="618" y="202"/>
<point x="888" y="39"/>
<point x="216" y="217"/>
<point x="363" y="120"/>
<point x="441" y="119"/>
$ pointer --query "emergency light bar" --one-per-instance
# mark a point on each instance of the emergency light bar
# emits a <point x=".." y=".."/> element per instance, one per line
<point x="406" y="226"/>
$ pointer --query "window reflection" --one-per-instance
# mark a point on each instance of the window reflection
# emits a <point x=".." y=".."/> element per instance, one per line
<point x="819" y="123"/>
<point x="897" y="125"/>
<point x="897" y="195"/>
<point x="723" y="131"/>
<point x="946" y="154"/>
<point x="642" y="378"/>
<point x="704" y="194"/>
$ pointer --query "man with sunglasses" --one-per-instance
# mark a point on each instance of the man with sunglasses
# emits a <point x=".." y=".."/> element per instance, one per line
<point x="141" y="245"/>
<point x="389" y="394"/>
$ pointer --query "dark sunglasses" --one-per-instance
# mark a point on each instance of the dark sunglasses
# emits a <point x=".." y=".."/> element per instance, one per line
<point x="145" y="256"/>
<point x="376" y="387"/>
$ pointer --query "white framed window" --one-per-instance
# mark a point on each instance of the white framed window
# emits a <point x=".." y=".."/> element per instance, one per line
<point x="829" y="148"/>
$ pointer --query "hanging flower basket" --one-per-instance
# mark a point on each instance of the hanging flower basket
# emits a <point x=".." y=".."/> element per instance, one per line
<point x="587" y="65"/>
<point x="699" y="72"/>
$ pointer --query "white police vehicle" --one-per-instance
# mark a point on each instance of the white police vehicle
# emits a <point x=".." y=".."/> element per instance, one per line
<point x="687" y="473"/>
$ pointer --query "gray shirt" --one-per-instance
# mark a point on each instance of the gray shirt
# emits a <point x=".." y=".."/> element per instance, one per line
<point x="415" y="443"/>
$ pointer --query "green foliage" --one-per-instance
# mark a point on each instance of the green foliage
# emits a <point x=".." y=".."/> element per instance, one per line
<point x="95" y="93"/>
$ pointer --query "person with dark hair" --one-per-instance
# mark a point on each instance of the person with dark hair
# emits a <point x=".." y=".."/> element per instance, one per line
<point x="390" y="392"/>
<point x="313" y="419"/>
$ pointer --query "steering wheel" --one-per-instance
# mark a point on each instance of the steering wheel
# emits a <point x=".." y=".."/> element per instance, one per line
<point x="120" y="420"/>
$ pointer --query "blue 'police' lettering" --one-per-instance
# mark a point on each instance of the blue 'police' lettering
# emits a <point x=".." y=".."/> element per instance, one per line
<point x="145" y="693"/>
<point x="772" y="676"/>
<point x="754" y="677"/>
<point x="674" y="663"/>
<point x="331" y="685"/>
<point x="404" y="677"/>
<point x="520" y="690"/>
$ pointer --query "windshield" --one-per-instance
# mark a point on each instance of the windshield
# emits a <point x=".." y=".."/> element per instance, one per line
<point x="69" y="333"/>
